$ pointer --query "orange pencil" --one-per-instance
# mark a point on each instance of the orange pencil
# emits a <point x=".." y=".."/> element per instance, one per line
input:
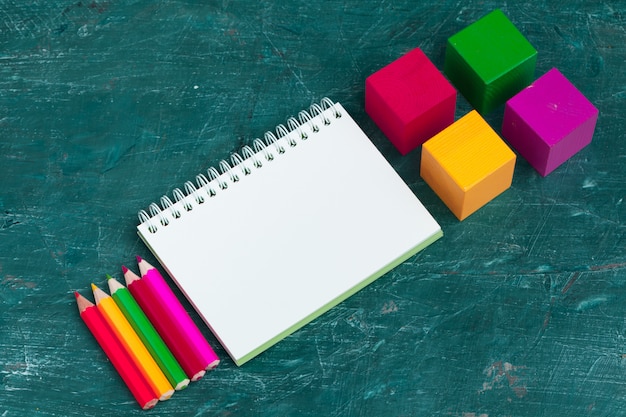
<point x="134" y="379"/>
<point x="138" y="351"/>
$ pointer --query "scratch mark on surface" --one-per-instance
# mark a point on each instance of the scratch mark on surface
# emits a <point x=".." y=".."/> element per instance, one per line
<point x="571" y="282"/>
<point x="378" y="345"/>
<point x="374" y="392"/>
<point x="16" y="283"/>
<point x="99" y="242"/>
<point x="319" y="357"/>
<point x="367" y="33"/>
<point x="589" y="183"/>
<point x="608" y="266"/>
<point x="546" y="322"/>
<point x="298" y="78"/>
<point x="24" y="368"/>
<point x="573" y="43"/>
<point x="8" y="220"/>
<point x="343" y="40"/>
<point x="389" y="307"/>
<point x="504" y="374"/>
<point x="356" y="320"/>
<point x="539" y="230"/>
<point x="591" y="303"/>
<point x="116" y="153"/>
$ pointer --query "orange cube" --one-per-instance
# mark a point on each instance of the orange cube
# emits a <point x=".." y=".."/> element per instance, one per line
<point x="467" y="164"/>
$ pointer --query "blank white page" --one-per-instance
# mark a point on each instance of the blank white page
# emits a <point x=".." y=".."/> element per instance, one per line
<point x="291" y="239"/>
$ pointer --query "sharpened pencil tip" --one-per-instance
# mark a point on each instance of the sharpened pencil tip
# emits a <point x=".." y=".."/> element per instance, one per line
<point x="124" y="269"/>
<point x="82" y="303"/>
<point x="93" y="287"/>
<point x="138" y="258"/>
<point x="109" y="277"/>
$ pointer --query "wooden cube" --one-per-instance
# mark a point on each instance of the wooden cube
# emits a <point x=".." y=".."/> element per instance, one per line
<point x="549" y="122"/>
<point x="489" y="61"/>
<point x="467" y="165"/>
<point x="410" y="100"/>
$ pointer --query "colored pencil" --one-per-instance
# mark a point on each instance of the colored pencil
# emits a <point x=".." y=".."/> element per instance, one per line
<point x="112" y="347"/>
<point x="169" y="330"/>
<point x="148" y="334"/>
<point x="138" y="352"/>
<point x="154" y="279"/>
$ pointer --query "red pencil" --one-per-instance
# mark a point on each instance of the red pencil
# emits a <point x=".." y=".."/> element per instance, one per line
<point x="159" y="287"/>
<point x="167" y="328"/>
<point x="135" y="381"/>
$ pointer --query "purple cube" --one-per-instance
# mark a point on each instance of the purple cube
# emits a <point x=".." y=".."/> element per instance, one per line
<point x="549" y="121"/>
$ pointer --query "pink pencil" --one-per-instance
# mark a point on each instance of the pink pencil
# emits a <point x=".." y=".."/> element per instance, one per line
<point x="162" y="291"/>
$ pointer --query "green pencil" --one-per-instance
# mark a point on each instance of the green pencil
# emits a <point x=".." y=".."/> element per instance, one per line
<point x="148" y="334"/>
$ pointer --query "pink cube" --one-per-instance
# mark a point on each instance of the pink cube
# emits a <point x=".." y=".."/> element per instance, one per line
<point x="410" y="100"/>
<point x="549" y="121"/>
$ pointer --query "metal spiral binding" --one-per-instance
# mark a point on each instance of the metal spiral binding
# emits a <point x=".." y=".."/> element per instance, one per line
<point x="256" y="155"/>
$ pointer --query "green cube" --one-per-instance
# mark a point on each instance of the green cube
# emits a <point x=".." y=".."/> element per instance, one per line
<point x="490" y="61"/>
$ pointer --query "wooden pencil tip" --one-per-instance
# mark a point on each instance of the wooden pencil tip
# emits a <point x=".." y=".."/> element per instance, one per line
<point x="98" y="294"/>
<point x="138" y="258"/>
<point x="109" y="277"/>
<point x="114" y="285"/>
<point x="144" y="266"/>
<point x="124" y="269"/>
<point x="82" y="302"/>
<point x="130" y="276"/>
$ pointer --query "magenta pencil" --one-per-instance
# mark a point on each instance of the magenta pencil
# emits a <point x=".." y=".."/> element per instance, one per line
<point x="153" y="279"/>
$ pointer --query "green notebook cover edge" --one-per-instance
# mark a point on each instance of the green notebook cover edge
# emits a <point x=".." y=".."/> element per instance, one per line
<point x="342" y="297"/>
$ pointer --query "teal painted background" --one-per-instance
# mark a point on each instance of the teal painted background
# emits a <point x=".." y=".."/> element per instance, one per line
<point x="107" y="105"/>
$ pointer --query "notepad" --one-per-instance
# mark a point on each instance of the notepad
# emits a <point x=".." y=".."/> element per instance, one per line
<point x="285" y="229"/>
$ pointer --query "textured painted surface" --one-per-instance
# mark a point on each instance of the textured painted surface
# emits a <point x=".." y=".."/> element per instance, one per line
<point x="105" y="106"/>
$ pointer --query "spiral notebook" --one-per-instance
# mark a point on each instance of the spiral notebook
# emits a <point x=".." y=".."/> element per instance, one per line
<point x="286" y="229"/>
